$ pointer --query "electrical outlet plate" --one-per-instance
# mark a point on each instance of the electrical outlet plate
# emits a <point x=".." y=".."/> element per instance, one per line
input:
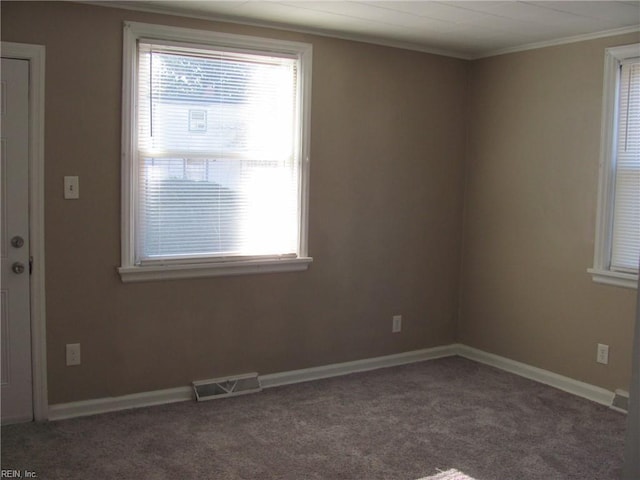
<point x="73" y="354"/>
<point x="396" y="325"/>
<point x="602" y="355"/>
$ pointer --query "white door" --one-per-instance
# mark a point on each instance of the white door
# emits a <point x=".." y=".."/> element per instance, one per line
<point x="15" y="336"/>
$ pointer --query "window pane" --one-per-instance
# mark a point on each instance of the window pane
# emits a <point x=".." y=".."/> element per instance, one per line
<point x="216" y="105"/>
<point x="217" y="207"/>
<point x="625" y="253"/>
<point x="216" y="166"/>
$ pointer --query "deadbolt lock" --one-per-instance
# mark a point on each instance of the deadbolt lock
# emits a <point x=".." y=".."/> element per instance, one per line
<point x="17" y="241"/>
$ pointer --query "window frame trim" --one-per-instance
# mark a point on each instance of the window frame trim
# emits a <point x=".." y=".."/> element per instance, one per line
<point x="130" y="271"/>
<point x="601" y="271"/>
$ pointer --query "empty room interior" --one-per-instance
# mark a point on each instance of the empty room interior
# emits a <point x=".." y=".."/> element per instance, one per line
<point x="430" y="258"/>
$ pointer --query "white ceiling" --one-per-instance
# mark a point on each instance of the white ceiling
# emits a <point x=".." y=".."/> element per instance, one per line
<point x="466" y="29"/>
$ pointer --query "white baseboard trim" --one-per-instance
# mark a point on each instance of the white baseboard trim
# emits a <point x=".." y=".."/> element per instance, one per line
<point x="83" y="408"/>
<point x="576" y="387"/>
<point x="337" y="369"/>
<point x="159" y="397"/>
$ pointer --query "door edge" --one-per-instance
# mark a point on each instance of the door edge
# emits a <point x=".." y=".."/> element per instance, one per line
<point x="35" y="54"/>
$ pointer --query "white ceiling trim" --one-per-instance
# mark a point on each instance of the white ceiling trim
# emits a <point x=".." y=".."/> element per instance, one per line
<point x="561" y="41"/>
<point x="279" y="26"/>
<point x="154" y="8"/>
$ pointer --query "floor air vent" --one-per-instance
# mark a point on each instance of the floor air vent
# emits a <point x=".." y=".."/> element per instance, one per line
<point x="226" y="387"/>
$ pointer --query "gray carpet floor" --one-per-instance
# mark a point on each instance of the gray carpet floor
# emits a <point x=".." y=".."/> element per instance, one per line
<point x="399" y="423"/>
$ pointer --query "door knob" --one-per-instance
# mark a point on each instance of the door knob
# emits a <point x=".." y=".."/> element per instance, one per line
<point x="17" y="267"/>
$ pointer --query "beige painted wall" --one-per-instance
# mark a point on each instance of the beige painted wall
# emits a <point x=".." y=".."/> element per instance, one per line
<point x="391" y="133"/>
<point x="530" y="209"/>
<point x="386" y="200"/>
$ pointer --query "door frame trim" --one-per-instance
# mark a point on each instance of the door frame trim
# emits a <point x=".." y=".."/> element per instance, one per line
<point x="35" y="54"/>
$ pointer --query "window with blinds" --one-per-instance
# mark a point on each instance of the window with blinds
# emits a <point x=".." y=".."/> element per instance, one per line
<point x="625" y="249"/>
<point x="217" y="148"/>
<point x="617" y="244"/>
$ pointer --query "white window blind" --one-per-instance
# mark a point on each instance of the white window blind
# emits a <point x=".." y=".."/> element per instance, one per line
<point x="218" y="168"/>
<point x="625" y="242"/>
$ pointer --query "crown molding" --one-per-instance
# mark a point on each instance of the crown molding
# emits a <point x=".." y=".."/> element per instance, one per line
<point x="168" y="10"/>
<point x="560" y="41"/>
<point x="159" y="9"/>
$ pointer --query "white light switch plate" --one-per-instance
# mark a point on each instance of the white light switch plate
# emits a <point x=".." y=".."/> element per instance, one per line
<point x="71" y="188"/>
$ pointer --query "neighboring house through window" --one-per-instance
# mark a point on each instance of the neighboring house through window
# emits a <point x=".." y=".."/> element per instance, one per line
<point x="617" y="251"/>
<point x="215" y="153"/>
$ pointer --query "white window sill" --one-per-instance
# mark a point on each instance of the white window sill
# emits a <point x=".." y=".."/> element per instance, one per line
<point x="241" y="267"/>
<point x="618" y="279"/>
